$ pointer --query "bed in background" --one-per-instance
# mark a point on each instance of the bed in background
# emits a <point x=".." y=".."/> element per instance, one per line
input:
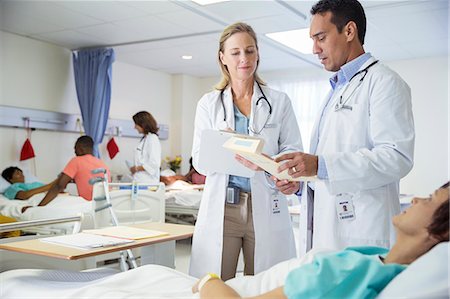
<point x="182" y="202"/>
<point x="147" y="205"/>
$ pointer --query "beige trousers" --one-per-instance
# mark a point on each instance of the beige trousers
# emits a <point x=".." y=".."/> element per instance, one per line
<point x="238" y="233"/>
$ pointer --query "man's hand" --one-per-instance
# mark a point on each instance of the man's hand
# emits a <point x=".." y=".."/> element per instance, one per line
<point x="299" y="164"/>
<point x="286" y="187"/>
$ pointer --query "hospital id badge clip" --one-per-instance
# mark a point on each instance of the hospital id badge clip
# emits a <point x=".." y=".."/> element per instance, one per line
<point x="344" y="208"/>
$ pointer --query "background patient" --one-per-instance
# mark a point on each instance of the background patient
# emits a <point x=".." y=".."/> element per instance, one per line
<point x="359" y="272"/>
<point x="19" y="189"/>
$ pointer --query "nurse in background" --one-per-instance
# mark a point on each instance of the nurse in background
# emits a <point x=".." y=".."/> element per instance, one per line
<point x="237" y="212"/>
<point x="147" y="156"/>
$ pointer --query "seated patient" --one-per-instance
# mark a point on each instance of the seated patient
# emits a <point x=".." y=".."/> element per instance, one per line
<point x="359" y="272"/>
<point x="19" y="189"/>
<point x="78" y="169"/>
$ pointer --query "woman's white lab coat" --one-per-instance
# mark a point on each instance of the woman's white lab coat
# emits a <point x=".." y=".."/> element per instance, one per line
<point x="148" y="155"/>
<point x="367" y="150"/>
<point x="274" y="240"/>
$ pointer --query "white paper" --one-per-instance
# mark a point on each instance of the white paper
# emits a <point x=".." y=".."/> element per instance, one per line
<point x="127" y="232"/>
<point x="86" y="241"/>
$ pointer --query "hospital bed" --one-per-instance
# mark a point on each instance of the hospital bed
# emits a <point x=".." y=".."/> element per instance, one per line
<point x="427" y="277"/>
<point x="147" y="204"/>
<point x="182" y="202"/>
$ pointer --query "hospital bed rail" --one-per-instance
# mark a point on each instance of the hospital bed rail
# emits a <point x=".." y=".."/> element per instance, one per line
<point x="6" y="227"/>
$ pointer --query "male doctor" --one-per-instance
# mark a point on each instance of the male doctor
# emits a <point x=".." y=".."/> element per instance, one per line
<point x="362" y="143"/>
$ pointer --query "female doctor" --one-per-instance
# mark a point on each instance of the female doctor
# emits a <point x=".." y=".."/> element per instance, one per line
<point x="147" y="155"/>
<point x="256" y="218"/>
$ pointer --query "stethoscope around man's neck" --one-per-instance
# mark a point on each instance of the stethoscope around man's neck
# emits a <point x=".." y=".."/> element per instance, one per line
<point x="341" y="104"/>
<point x="263" y="97"/>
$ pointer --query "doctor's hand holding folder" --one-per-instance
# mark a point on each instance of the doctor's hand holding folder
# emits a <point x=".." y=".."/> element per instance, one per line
<point x="227" y="152"/>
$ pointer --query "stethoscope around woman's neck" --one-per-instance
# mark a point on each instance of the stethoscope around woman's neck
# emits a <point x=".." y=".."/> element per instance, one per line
<point x="263" y="97"/>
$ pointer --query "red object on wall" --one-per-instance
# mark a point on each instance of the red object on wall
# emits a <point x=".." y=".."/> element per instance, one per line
<point x="112" y="148"/>
<point x="27" y="151"/>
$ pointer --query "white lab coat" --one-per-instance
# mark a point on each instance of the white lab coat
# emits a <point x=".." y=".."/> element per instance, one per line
<point x="274" y="241"/>
<point x="148" y="155"/>
<point x="367" y="150"/>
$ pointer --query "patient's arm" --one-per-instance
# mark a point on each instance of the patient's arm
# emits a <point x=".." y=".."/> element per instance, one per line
<point x="23" y="195"/>
<point x="216" y="288"/>
<point x="59" y="186"/>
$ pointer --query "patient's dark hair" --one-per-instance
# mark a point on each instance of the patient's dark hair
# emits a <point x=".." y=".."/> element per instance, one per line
<point x="7" y="174"/>
<point x="439" y="228"/>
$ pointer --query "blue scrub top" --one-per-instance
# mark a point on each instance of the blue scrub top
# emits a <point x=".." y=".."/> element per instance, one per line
<point x="12" y="190"/>
<point x="356" y="272"/>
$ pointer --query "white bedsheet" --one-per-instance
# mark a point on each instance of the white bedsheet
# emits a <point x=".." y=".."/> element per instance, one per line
<point x="185" y="198"/>
<point x="63" y="205"/>
<point x="150" y="281"/>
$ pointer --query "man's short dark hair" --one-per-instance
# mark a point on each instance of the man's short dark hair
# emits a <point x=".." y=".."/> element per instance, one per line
<point x="439" y="226"/>
<point x="8" y="173"/>
<point x="85" y="142"/>
<point x="343" y="11"/>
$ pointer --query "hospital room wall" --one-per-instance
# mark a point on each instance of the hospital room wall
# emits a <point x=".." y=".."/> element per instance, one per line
<point x="39" y="75"/>
<point x="430" y="99"/>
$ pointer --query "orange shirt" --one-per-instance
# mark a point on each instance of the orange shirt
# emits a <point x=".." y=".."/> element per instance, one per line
<point x="79" y="169"/>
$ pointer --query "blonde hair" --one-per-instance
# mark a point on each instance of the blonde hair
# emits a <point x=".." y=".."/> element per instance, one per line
<point x="226" y="34"/>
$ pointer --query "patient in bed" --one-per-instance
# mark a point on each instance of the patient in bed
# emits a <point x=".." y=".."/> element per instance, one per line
<point x="18" y="188"/>
<point x="358" y="272"/>
<point x="192" y="177"/>
<point x="353" y="273"/>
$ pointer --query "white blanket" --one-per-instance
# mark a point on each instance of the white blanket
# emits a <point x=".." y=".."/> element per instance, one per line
<point x="63" y="205"/>
<point x="150" y="281"/>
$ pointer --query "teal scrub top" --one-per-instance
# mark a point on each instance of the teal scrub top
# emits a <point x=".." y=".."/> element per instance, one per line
<point x="12" y="190"/>
<point x="355" y="272"/>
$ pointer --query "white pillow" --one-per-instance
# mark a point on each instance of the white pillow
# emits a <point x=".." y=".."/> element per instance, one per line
<point x="3" y="184"/>
<point x="29" y="178"/>
<point x="427" y="277"/>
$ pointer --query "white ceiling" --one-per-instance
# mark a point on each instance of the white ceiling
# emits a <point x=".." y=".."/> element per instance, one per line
<point x="155" y="34"/>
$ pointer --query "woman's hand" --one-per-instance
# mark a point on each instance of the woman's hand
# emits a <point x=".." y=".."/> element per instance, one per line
<point x="247" y="163"/>
<point x="135" y="169"/>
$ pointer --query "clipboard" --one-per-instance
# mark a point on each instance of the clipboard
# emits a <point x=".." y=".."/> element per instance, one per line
<point x="251" y="149"/>
<point x="213" y="157"/>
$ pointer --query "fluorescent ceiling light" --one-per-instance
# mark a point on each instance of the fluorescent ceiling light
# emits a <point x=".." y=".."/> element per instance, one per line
<point x="206" y="2"/>
<point x="298" y="40"/>
<point x="186" y="57"/>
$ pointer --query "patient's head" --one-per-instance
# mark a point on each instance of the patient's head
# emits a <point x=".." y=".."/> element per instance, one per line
<point x="426" y="218"/>
<point x="84" y="145"/>
<point x="13" y="175"/>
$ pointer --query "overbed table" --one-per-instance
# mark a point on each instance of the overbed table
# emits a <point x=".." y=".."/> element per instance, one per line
<point x="150" y="249"/>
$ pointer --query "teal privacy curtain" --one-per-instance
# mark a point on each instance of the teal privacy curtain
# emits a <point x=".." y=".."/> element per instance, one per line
<point x="93" y="73"/>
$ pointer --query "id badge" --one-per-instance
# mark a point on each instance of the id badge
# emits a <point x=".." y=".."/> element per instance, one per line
<point x="344" y="207"/>
<point x="276" y="205"/>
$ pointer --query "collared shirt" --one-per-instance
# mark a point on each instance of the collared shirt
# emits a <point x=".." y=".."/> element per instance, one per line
<point x="338" y="81"/>
<point x="241" y="123"/>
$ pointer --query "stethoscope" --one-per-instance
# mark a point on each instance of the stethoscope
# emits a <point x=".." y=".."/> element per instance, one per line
<point x="263" y="97"/>
<point x="341" y="104"/>
<point x="139" y="148"/>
